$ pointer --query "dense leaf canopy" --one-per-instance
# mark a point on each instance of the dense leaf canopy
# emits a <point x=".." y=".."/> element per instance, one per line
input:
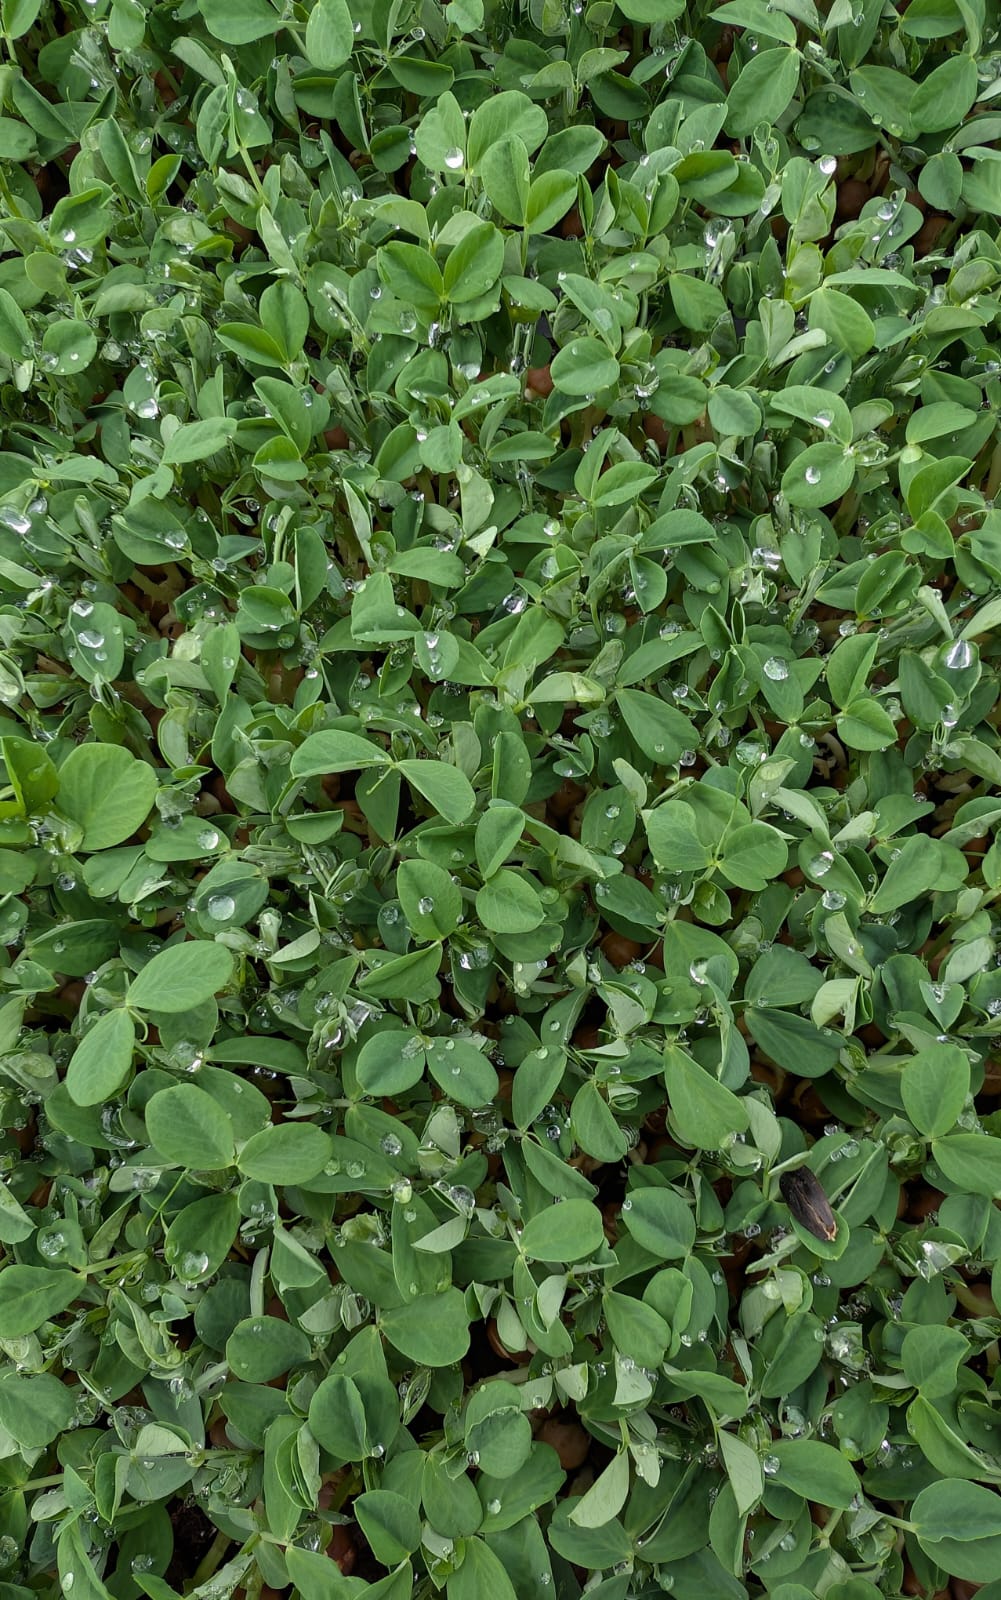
<point x="500" y="586"/>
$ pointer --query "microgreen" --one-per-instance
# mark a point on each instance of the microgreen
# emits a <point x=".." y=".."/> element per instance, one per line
<point x="501" y="580"/>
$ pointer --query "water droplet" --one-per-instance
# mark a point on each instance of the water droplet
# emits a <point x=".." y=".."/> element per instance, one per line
<point x="959" y="656"/>
<point x="776" y="669"/>
<point x="220" y="907"/>
<point x="750" y="753"/>
<point x="454" y="158"/>
<point x="16" y="521"/>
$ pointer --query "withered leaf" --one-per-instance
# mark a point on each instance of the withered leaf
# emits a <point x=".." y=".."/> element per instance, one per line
<point x="803" y="1193"/>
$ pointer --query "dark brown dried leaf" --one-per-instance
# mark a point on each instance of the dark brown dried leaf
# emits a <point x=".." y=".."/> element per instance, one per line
<point x="803" y="1193"/>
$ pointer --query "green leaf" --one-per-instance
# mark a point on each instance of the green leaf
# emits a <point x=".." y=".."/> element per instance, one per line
<point x="432" y="903"/>
<point x="201" y="1236"/>
<point x="102" y="1060"/>
<point x="638" y="1331"/>
<point x="509" y="903"/>
<point x="239" y="21"/>
<point x="816" y="1471"/>
<point x="754" y="855"/>
<point x="34" y="1410"/>
<point x="504" y="171"/>
<point x="793" y="1042"/>
<point x="189" y="1129"/>
<point x="333" y="751"/>
<point x="390" y="1062"/>
<point x="30" y="1296"/>
<point x="660" y="1221"/>
<point x="502" y="1437"/>
<point x="497" y="832"/>
<point x="337" y="1417"/>
<point x="955" y="1510"/>
<point x="32" y="774"/>
<point x="412" y="275"/>
<point x="931" y="1357"/>
<point x="866" y="725"/>
<point x="944" y="97"/>
<point x="329" y="34"/>
<point x="194" y="441"/>
<point x="704" y="1112"/>
<point x="934" y="1087"/>
<point x="285" y="1153"/>
<point x="500" y="116"/>
<point x="566" y="1232"/>
<point x="743" y="1469"/>
<point x="972" y="1161"/>
<point x="606" y="1496"/>
<point x="819" y="475"/>
<point x="958" y="1527"/>
<point x="661" y="732"/>
<point x="462" y="1071"/>
<point x="651" y="10"/>
<point x="76" y="1570"/>
<point x="698" y="305"/>
<point x="105" y="790"/>
<point x="595" y="1128"/>
<point x="67" y="347"/>
<point x="447" y="789"/>
<point x="674" y="841"/>
<point x="181" y="976"/>
<point x="474" y="264"/>
<point x="390" y="1524"/>
<point x="413" y="976"/>
<point x="623" y="483"/>
<point x="18" y="16"/>
<point x="911" y="873"/>
<point x="15" y="1223"/>
<point x="762" y="91"/>
<point x="535" y="1082"/>
<point x="482" y="1572"/>
<point x="432" y="1329"/>
<point x="583" y="367"/>
<point x="260" y="1349"/>
<point x="849" y="665"/>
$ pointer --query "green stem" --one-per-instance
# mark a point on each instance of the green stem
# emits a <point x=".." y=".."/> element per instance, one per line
<point x="212" y="1557"/>
<point x="114" y="1261"/>
<point x="253" y="174"/>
